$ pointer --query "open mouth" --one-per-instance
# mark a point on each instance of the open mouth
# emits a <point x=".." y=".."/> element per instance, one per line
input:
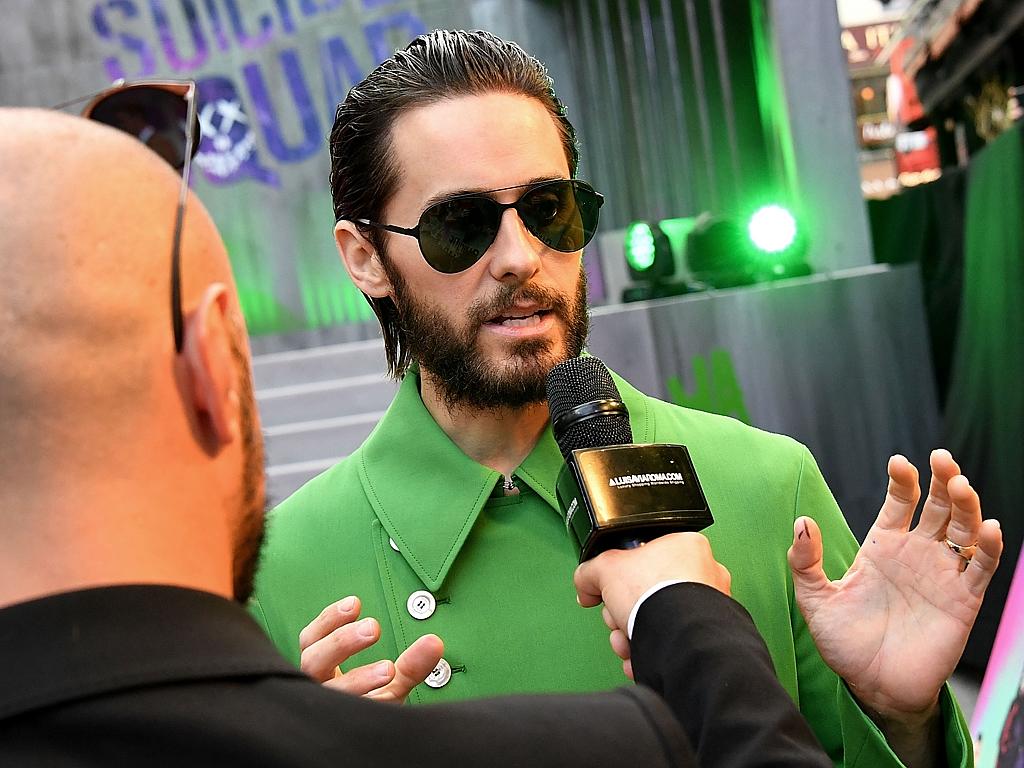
<point x="519" y="318"/>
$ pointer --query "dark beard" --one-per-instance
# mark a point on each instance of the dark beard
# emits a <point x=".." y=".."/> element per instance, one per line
<point x="249" y="532"/>
<point x="454" y="360"/>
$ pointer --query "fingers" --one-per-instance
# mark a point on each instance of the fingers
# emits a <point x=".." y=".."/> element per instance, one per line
<point x="986" y="558"/>
<point x="805" y="560"/>
<point x="335" y="636"/>
<point x="619" y="577"/>
<point x="609" y="620"/>
<point x="320" y="660"/>
<point x="412" y="668"/>
<point x="620" y="644"/>
<point x="937" y="507"/>
<point x="965" y="515"/>
<point x="806" y="552"/>
<point x="724" y="580"/>
<point x="901" y="496"/>
<point x="362" y="680"/>
<point x="952" y="509"/>
<point x="588" y="579"/>
<point x="386" y="681"/>
<point x="333" y="616"/>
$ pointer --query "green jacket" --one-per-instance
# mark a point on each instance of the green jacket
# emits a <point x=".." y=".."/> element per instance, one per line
<point x="408" y="512"/>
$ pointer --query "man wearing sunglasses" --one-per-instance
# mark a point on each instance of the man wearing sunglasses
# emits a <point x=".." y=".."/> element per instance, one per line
<point x="131" y="494"/>
<point x="460" y="218"/>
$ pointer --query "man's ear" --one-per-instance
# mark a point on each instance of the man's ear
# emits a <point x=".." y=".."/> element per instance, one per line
<point x="361" y="260"/>
<point x="212" y="373"/>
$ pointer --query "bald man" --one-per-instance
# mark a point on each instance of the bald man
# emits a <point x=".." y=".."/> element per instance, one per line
<point x="126" y="461"/>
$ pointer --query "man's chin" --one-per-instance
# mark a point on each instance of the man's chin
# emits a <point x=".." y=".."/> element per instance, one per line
<point x="510" y="378"/>
<point x="535" y="356"/>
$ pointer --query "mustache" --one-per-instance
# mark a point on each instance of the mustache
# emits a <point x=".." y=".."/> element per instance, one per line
<point x="508" y="296"/>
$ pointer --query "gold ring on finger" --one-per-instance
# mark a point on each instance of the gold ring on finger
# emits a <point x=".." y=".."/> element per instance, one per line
<point x="966" y="551"/>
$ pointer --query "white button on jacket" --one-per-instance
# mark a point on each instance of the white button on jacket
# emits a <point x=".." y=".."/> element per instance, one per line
<point x="421" y="604"/>
<point x="441" y="674"/>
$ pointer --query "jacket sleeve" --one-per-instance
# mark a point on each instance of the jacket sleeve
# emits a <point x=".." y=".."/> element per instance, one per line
<point x="700" y="650"/>
<point x="847" y="733"/>
<point x="625" y="727"/>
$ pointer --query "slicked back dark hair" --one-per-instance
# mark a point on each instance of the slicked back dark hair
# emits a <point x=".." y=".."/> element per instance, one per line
<point x="440" y="65"/>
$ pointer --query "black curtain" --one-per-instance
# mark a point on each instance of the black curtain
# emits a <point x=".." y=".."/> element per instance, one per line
<point x="925" y="224"/>
<point x="984" y="414"/>
<point x="966" y="231"/>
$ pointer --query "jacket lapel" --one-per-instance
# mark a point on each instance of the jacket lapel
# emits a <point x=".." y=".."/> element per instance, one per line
<point x="424" y="490"/>
<point x="427" y="493"/>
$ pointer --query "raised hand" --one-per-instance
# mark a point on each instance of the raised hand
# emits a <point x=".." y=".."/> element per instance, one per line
<point x="336" y="635"/>
<point x="895" y="625"/>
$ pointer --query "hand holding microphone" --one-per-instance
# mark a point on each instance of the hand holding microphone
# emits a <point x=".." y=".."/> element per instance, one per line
<point x="614" y="494"/>
<point x="623" y="578"/>
<point x="620" y="577"/>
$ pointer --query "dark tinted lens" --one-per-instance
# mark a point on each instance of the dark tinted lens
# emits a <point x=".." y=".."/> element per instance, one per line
<point x="155" y="116"/>
<point x="562" y="214"/>
<point x="454" y="234"/>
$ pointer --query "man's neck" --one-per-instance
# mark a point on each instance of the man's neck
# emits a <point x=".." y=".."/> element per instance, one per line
<point x="497" y="438"/>
<point x="83" y="537"/>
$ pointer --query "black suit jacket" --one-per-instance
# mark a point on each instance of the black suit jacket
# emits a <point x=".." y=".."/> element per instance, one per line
<point x="153" y="676"/>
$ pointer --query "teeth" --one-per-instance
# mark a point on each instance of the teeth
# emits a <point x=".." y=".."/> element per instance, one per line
<point x="521" y="322"/>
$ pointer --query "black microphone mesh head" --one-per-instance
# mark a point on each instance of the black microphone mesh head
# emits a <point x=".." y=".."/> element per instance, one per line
<point x="582" y="380"/>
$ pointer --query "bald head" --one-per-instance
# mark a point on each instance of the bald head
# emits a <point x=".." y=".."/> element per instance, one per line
<point x="85" y="253"/>
<point x="92" y="393"/>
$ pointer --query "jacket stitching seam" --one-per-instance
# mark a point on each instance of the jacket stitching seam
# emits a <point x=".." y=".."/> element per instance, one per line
<point x="391" y="584"/>
<point x="380" y="506"/>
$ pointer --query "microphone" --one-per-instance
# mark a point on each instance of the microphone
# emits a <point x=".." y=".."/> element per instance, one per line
<point x="614" y="494"/>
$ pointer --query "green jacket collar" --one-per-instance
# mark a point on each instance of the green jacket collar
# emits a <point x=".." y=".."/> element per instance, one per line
<point x="427" y="493"/>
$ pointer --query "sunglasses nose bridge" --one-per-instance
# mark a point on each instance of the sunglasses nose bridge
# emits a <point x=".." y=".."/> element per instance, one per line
<point x="516" y="251"/>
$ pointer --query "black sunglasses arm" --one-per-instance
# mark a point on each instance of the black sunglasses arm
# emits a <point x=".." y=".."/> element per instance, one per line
<point x="413" y="232"/>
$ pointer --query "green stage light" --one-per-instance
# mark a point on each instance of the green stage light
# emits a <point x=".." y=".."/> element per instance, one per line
<point x="676" y="230"/>
<point x="640" y="246"/>
<point x="651" y="261"/>
<point x="718" y="253"/>
<point x="772" y="229"/>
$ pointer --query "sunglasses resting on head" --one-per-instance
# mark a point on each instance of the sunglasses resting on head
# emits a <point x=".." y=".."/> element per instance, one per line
<point x="455" y="233"/>
<point x="162" y="115"/>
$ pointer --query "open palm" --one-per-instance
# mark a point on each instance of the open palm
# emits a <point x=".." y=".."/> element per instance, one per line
<point x="895" y="625"/>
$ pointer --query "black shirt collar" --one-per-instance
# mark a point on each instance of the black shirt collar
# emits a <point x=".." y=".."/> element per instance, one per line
<point x="76" y="644"/>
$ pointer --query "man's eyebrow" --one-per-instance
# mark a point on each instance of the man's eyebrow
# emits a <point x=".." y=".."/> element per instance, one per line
<point x="440" y="197"/>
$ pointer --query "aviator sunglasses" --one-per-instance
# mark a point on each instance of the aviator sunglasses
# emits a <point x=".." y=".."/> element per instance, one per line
<point x="162" y="115"/>
<point x="455" y="233"/>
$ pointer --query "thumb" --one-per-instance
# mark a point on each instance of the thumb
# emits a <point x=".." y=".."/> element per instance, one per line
<point x="805" y="560"/>
<point x="587" y="579"/>
<point x="412" y="667"/>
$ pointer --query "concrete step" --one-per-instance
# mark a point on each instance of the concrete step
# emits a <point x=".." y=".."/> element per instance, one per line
<point x="336" y="361"/>
<point x="298" y="452"/>
<point x="325" y="399"/>
<point x="317" y="405"/>
<point x="321" y="439"/>
<point x="284" y="479"/>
